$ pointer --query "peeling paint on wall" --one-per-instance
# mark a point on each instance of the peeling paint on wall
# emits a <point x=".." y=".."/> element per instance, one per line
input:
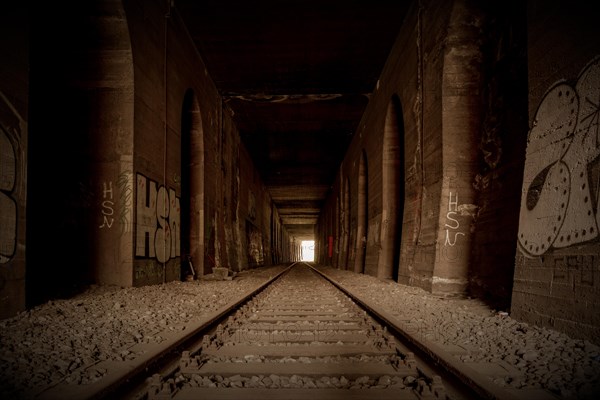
<point x="559" y="205"/>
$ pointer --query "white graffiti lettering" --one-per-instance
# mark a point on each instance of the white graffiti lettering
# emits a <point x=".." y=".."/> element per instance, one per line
<point x="451" y="234"/>
<point x="557" y="205"/>
<point x="158" y="221"/>
<point x="107" y="206"/>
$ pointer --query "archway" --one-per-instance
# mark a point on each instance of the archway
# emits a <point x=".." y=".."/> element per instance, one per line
<point x="361" y="215"/>
<point x="192" y="185"/>
<point x="393" y="191"/>
<point x="346" y="223"/>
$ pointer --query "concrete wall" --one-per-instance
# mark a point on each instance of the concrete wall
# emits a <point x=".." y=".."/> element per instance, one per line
<point x="557" y="279"/>
<point x="117" y="96"/>
<point x="404" y="76"/>
<point x="95" y="120"/>
<point x="256" y="212"/>
<point x="80" y="169"/>
<point x="500" y="143"/>
<point x="449" y="93"/>
<point x="236" y="210"/>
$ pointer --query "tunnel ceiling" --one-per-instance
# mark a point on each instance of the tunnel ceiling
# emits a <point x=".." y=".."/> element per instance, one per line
<point x="297" y="76"/>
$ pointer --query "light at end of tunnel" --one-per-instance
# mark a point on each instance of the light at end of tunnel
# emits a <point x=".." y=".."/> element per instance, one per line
<point x="308" y="250"/>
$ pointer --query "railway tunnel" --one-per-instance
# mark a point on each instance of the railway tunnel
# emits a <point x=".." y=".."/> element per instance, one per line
<point x="449" y="147"/>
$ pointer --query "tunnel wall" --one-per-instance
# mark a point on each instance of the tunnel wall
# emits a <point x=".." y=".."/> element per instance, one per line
<point x="237" y="208"/>
<point x="402" y="75"/>
<point x="14" y="100"/>
<point x="557" y="279"/>
<point x="79" y="170"/>
<point x="457" y="71"/>
<point x="98" y="148"/>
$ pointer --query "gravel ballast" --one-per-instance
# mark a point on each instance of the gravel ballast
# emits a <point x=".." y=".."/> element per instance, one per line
<point x="546" y="359"/>
<point x="65" y="340"/>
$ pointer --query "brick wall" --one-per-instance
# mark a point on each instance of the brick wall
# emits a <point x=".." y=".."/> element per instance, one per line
<point x="556" y="281"/>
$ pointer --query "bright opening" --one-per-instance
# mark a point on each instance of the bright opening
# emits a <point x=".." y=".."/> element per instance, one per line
<point x="308" y="250"/>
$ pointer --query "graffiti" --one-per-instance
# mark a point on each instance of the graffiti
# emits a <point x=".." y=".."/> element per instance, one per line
<point x="158" y="221"/>
<point x="574" y="269"/>
<point x="559" y="206"/>
<point x="107" y="206"/>
<point x="8" y="206"/>
<point x="124" y="203"/>
<point x="255" y="247"/>
<point x="125" y="200"/>
<point x="452" y="223"/>
<point x="148" y="272"/>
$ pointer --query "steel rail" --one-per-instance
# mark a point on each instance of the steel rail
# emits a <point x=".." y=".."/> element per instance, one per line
<point x="123" y="379"/>
<point x="131" y="381"/>
<point x="478" y="385"/>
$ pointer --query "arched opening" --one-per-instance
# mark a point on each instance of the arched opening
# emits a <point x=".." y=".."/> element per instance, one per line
<point x="361" y="215"/>
<point x="343" y="224"/>
<point x="393" y="191"/>
<point x="337" y="232"/>
<point x="192" y="186"/>
<point x="346" y="222"/>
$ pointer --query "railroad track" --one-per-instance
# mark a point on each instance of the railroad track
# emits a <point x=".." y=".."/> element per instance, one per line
<point x="299" y="337"/>
<point x="302" y="334"/>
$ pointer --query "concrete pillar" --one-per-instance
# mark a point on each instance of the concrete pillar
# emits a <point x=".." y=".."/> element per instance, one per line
<point x="461" y="123"/>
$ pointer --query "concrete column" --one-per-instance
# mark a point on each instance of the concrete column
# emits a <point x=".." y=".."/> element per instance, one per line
<point x="461" y="123"/>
